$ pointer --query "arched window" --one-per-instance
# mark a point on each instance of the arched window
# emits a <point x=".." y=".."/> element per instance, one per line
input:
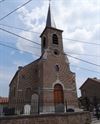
<point x="44" y="42"/>
<point x="56" y="52"/>
<point x="55" y="39"/>
<point x="34" y="103"/>
<point x="28" y="94"/>
<point x="14" y="91"/>
<point x="58" y="98"/>
<point x="57" y="68"/>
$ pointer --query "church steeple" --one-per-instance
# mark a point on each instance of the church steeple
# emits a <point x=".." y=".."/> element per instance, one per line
<point x="50" y="21"/>
<point x="51" y="37"/>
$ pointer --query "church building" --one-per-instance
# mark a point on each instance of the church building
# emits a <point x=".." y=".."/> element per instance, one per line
<point x="47" y="84"/>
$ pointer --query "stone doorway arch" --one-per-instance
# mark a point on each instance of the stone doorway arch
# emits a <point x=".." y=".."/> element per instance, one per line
<point x="58" y="98"/>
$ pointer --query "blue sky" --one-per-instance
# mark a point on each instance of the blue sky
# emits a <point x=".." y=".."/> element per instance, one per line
<point x="80" y="20"/>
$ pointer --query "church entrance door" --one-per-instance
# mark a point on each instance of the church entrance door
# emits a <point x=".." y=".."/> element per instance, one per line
<point x="58" y="98"/>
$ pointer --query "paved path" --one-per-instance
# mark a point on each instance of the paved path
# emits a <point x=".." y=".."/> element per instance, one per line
<point x="95" y="121"/>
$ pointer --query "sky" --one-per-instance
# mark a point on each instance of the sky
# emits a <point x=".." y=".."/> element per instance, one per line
<point x="80" y="21"/>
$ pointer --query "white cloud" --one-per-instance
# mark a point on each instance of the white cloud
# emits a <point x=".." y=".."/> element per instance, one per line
<point x="77" y="19"/>
<point x="33" y="19"/>
<point x="4" y="75"/>
<point x="5" y="78"/>
<point x="29" y="46"/>
<point x="96" y="33"/>
<point x="80" y="20"/>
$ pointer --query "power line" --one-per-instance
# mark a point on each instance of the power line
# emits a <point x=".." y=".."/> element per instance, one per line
<point x="19" y="28"/>
<point x="2" y="1"/>
<point x="83" y="54"/>
<point x="39" y="33"/>
<point x="71" y="52"/>
<point x="83" y="60"/>
<point x="19" y="36"/>
<point x="85" y="68"/>
<point x="5" y="45"/>
<point x="71" y="57"/>
<point x="39" y="45"/>
<point x="28" y="45"/>
<point x="73" y="40"/>
<point x="81" y="41"/>
<point x="15" y="10"/>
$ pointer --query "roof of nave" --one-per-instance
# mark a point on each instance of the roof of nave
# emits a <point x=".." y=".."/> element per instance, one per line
<point x="24" y="69"/>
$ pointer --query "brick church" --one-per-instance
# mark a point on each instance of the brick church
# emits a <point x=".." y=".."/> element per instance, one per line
<point x="46" y="84"/>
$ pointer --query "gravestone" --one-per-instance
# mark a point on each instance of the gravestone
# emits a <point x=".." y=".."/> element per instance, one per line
<point x="34" y="103"/>
<point x="27" y="109"/>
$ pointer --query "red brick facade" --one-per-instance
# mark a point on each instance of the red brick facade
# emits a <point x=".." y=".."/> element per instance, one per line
<point x="37" y="80"/>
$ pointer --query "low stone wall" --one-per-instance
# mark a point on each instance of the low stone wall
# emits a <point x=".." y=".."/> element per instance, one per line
<point x="66" y="118"/>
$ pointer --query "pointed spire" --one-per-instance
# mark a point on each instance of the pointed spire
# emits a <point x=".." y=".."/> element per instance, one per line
<point x="50" y="21"/>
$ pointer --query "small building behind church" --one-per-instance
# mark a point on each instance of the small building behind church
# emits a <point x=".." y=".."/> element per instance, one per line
<point x="90" y="91"/>
<point x="46" y="85"/>
<point x="3" y="105"/>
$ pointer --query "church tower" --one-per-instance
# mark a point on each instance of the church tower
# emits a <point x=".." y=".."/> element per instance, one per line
<point x="51" y="38"/>
<point x="58" y="87"/>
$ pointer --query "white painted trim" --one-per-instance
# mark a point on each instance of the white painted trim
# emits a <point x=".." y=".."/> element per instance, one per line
<point x="65" y="89"/>
<point x="58" y="82"/>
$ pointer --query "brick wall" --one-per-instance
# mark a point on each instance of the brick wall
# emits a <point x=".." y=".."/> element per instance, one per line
<point x="68" y="118"/>
<point x="41" y="76"/>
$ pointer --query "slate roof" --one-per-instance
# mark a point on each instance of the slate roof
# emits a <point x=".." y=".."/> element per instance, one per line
<point x="50" y="21"/>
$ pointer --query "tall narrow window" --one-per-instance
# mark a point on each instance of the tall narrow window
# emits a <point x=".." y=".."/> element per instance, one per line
<point x="44" y="42"/>
<point x="35" y="103"/>
<point x="55" y="39"/>
<point x="14" y="91"/>
<point x="57" y="68"/>
<point x="56" y="52"/>
<point x="28" y="94"/>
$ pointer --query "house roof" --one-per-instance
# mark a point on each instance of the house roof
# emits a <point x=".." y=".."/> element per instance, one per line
<point x="3" y="100"/>
<point x="95" y="80"/>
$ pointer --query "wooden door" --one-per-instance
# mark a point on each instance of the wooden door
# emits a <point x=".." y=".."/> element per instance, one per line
<point x="58" y="98"/>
